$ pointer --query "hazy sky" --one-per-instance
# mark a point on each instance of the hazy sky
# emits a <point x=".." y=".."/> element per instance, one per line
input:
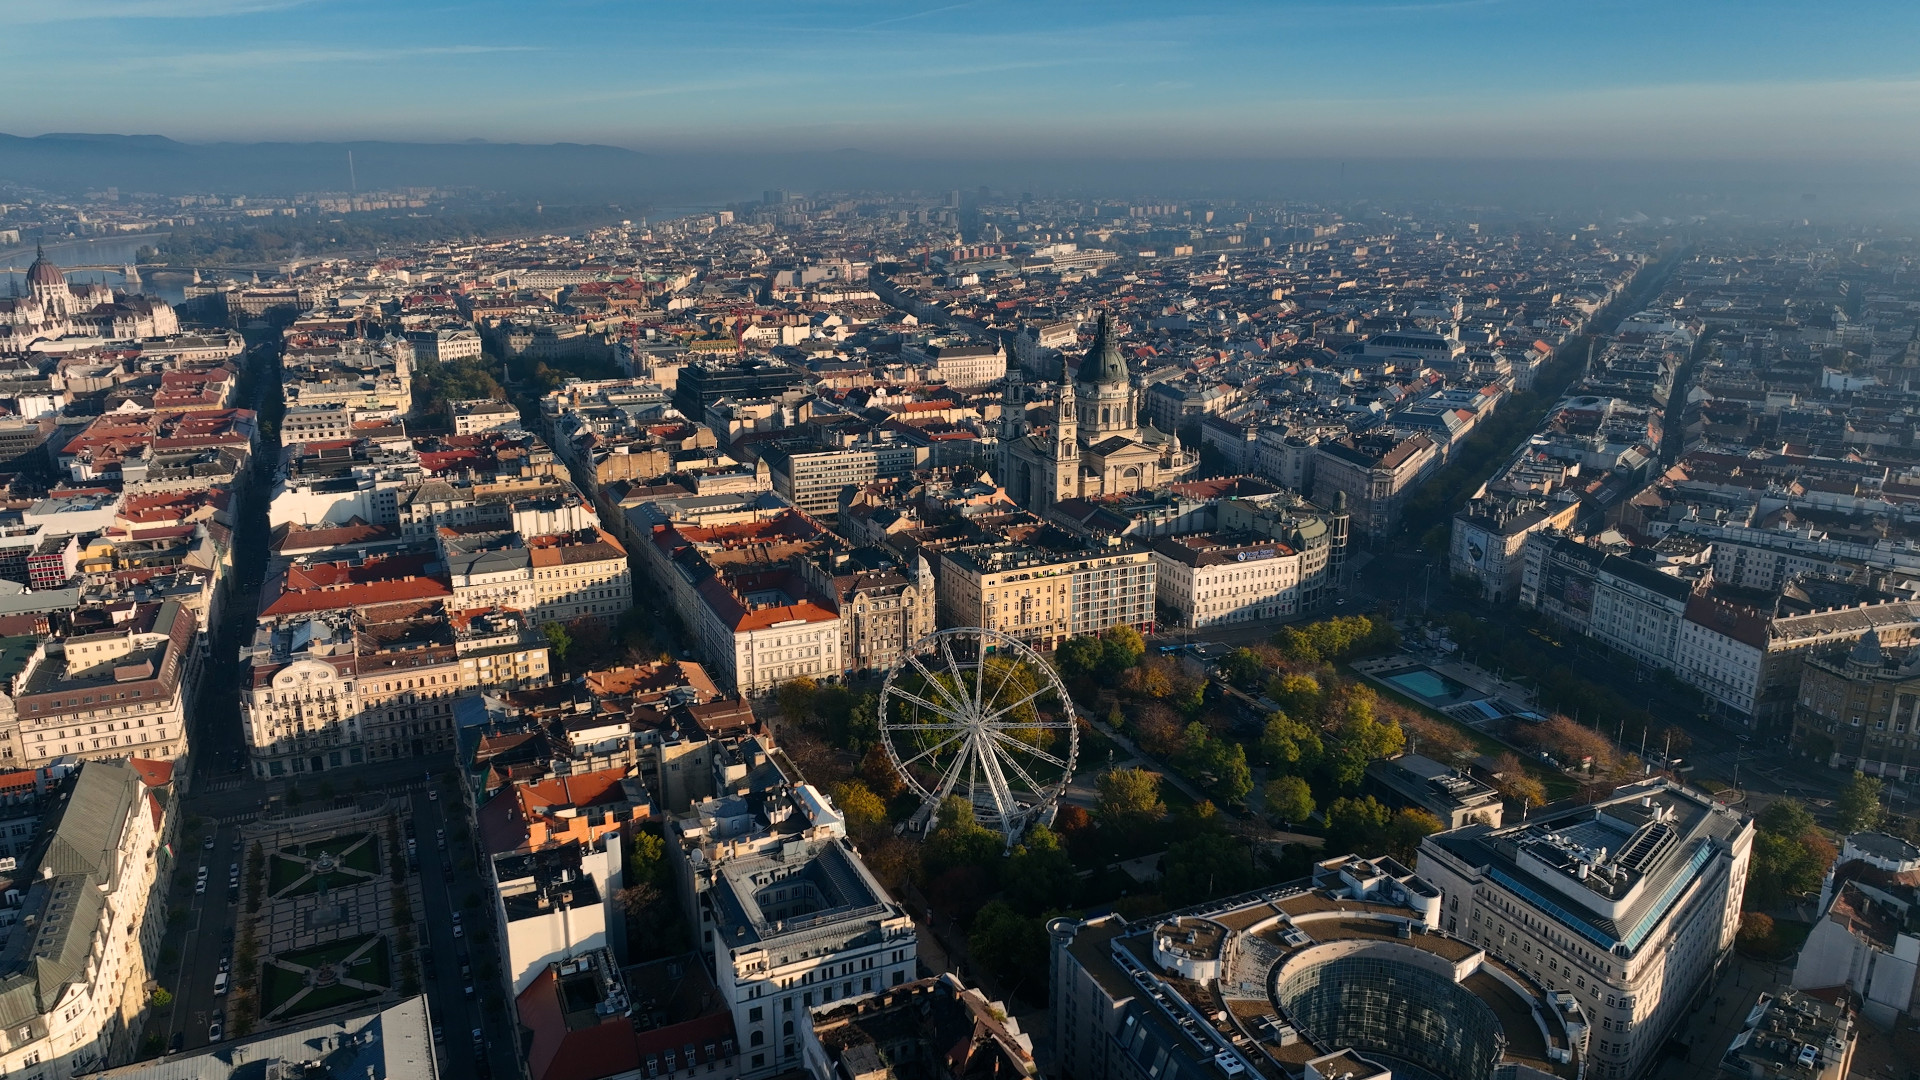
<point x="1508" y="78"/>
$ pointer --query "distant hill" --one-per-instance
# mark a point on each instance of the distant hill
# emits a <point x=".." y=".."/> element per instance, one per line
<point x="589" y="173"/>
<point x="154" y="163"/>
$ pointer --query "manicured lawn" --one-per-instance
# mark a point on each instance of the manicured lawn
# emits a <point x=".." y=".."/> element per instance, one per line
<point x="329" y="997"/>
<point x="330" y="953"/>
<point x="282" y="873"/>
<point x="277" y="986"/>
<point x="366" y="857"/>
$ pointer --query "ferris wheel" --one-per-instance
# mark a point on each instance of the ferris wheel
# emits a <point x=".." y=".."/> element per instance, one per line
<point x="978" y="714"/>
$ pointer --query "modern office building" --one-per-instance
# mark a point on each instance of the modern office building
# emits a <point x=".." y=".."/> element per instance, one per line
<point x="1628" y="904"/>
<point x="1343" y="974"/>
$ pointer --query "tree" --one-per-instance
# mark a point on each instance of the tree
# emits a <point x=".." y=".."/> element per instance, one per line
<point x="878" y="772"/>
<point x="1513" y="781"/>
<point x="1357" y="826"/>
<point x="1011" y="945"/>
<point x="1288" y="743"/>
<point x="1039" y="875"/>
<point x="637" y="900"/>
<point x="1233" y="779"/>
<point x="797" y="698"/>
<point x="1205" y="865"/>
<point x="1786" y="817"/>
<point x="1362" y="738"/>
<point x="162" y="997"/>
<point x="1128" y="799"/>
<point x="1405" y="831"/>
<point x="559" y="642"/>
<point x="1757" y="933"/>
<point x="1288" y="799"/>
<point x="1298" y="696"/>
<point x="958" y="839"/>
<point x="1078" y="657"/>
<point x="863" y="809"/>
<point x="1242" y="668"/>
<point x="1859" y="803"/>
<point x="1121" y="647"/>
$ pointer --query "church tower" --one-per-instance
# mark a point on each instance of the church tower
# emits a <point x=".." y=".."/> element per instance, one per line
<point x="1066" y="443"/>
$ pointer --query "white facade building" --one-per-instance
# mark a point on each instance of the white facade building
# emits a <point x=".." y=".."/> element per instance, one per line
<point x="1628" y="904"/>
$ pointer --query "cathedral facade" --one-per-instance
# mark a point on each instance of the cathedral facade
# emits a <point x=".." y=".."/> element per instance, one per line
<point x="1100" y="444"/>
<point x="54" y="308"/>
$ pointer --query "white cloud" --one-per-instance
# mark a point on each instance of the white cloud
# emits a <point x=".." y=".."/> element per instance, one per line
<point x="30" y="11"/>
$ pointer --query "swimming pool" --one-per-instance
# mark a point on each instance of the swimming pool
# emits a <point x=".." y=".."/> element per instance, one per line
<point x="1426" y="685"/>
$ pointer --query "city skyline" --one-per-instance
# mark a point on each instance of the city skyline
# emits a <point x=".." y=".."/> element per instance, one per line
<point x="1463" y="78"/>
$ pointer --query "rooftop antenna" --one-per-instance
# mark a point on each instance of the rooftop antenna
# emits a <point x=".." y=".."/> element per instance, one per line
<point x="353" y="182"/>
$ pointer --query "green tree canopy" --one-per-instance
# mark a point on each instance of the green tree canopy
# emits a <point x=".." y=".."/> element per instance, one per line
<point x="1208" y="864"/>
<point x="1289" y="744"/>
<point x="1289" y="798"/>
<point x="559" y="642"/>
<point x="1786" y="817"/>
<point x="1128" y="798"/>
<point x="1859" y="803"/>
<point x="958" y="838"/>
<point x="863" y="809"/>
<point x="1039" y="875"/>
<point x="1009" y="944"/>
<point x="1242" y="668"/>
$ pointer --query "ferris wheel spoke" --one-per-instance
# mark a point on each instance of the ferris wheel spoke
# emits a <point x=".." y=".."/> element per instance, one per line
<point x="1028" y="748"/>
<point x="952" y="701"/>
<point x="952" y="777"/>
<point x="996" y="783"/>
<point x="922" y="727"/>
<point x="1039" y="790"/>
<point x="1004" y="680"/>
<point x="997" y="714"/>
<point x="948" y="741"/>
<point x="1027" y="725"/>
<point x="937" y="710"/>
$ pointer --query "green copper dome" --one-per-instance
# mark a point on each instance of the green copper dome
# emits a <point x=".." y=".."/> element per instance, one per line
<point x="1104" y="366"/>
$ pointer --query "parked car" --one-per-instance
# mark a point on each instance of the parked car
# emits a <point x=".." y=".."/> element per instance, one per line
<point x="179" y="1041"/>
<point x="207" y="844"/>
<point x="220" y="984"/>
<point x="215" y="1030"/>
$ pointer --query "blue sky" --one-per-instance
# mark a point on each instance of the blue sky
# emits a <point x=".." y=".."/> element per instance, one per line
<point x="1523" y="78"/>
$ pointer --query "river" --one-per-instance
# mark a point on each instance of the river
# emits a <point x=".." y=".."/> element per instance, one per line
<point x="105" y="251"/>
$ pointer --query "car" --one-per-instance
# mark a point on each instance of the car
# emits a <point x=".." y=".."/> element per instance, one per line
<point x="179" y="1041"/>
<point x="446" y="871"/>
<point x="219" y="984"/>
<point x="234" y="870"/>
<point x="433" y="794"/>
<point x="200" y="887"/>
<point x="457" y="931"/>
<point x="207" y="844"/>
<point x="466" y="971"/>
<point x="439" y="1032"/>
<point x="479" y="1040"/>
<point x="226" y="963"/>
<point x="215" y="1030"/>
<point x="469" y="989"/>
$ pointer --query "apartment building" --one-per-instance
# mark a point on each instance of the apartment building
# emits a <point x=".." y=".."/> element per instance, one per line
<point x="812" y="478"/>
<point x="74" y="969"/>
<point x="1046" y="594"/>
<point x="1214" y="578"/>
<point x="108" y="692"/>
<point x="564" y="577"/>
<point x="1489" y="537"/>
<point x="788" y="917"/>
<point x="336" y="688"/>
<point x="738" y="588"/>
<point x="1628" y="905"/>
<point x="1375" y="472"/>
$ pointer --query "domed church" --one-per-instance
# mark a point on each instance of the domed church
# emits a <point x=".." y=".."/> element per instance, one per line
<point x="54" y="308"/>
<point x="1100" y="443"/>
